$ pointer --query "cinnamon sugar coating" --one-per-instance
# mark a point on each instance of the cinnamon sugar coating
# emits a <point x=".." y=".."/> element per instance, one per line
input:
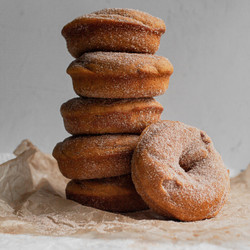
<point x="123" y="30"/>
<point x="115" y="194"/>
<point x="105" y="116"/>
<point x="120" y="75"/>
<point x="97" y="156"/>
<point x="178" y="172"/>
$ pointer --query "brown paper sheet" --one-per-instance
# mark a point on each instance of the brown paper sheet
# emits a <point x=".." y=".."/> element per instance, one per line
<point x="32" y="201"/>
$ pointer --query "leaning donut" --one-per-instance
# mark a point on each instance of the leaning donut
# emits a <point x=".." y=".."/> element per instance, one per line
<point x="178" y="172"/>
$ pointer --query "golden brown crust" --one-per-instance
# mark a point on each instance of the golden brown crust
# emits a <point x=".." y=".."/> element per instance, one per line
<point x="115" y="194"/>
<point x="104" y="116"/>
<point x="120" y="75"/>
<point x="123" y="30"/>
<point x="178" y="172"/>
<point x="92" y="157"/>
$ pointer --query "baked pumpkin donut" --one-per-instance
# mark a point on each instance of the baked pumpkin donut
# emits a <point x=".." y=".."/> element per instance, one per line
<point x="178" y="172"/>
<point x="123" y="30"/>
<point x="114" y="194"/>
<point x="104" y="116"/>
<point x="92" y="157"/>
<point x="120" y="75"/>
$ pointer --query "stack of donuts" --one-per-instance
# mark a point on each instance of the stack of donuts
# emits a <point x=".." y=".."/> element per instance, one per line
<point x="116" y="76"/>
<point x="121" y="157"/>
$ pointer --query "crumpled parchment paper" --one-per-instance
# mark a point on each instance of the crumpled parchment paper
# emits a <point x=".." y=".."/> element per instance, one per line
<point x="32" y="201"/>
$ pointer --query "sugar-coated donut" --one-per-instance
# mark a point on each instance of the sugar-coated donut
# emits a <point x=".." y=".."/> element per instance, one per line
<point x="178" y="172"/>
<point x="114" y="194"/>
<point x="120" y="75"/>
<point x="97" y="156"/>
<point x="123" y="30"/>
<point x="104" y="116"/>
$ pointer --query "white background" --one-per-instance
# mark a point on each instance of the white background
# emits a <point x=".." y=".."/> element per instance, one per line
<point x="207" y="42"/>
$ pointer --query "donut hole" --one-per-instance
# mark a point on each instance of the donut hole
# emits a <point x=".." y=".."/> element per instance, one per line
<point x="185" y="165"/>
<point x="191" y="157"/>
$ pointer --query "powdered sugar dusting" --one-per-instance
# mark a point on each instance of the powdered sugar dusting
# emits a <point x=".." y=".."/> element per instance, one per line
<point x="132" y="16"/>
<point x="123" y="64"/>
<point x="183" y="161"/>
<point x="84" y="146"/>
<point x="79" y="103"/>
